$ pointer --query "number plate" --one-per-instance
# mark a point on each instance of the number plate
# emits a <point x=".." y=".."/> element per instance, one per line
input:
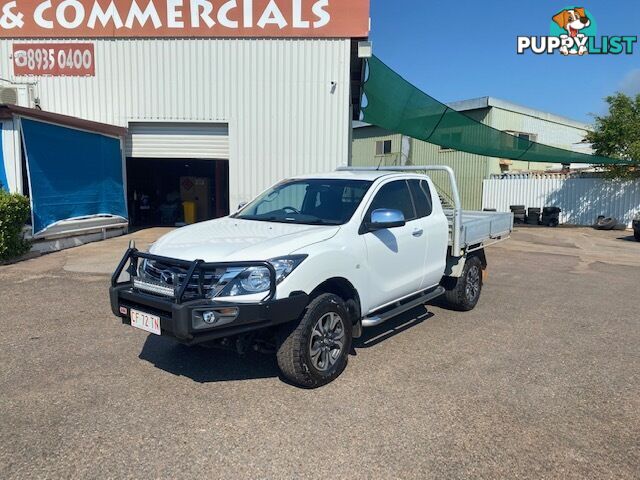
<point x="145" y="321"/>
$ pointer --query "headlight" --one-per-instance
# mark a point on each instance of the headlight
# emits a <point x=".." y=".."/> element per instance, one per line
<point x="258" y="280"/>
<point x="255" y="279"/>
<point x="285" y="265"/>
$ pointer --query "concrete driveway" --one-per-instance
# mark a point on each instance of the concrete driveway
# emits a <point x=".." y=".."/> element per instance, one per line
<point x="541" y="380"/>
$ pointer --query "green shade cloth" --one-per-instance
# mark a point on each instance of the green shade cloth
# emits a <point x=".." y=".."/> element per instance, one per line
<point x="396" y="105"/>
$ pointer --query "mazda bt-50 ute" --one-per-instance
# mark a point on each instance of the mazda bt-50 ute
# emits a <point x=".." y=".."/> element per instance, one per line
<point x="309" y="264"/>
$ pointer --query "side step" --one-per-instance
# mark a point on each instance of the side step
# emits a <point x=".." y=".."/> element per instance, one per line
<point x="383" y="317"/>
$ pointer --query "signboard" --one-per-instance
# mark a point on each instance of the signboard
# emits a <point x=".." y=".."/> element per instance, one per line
<point x="183" y="18"/>
<point x="55" y="59"/>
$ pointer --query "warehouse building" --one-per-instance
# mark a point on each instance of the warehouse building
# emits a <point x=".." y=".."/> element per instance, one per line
<point x="219" y="99"/>
<point x="375" y="146"/>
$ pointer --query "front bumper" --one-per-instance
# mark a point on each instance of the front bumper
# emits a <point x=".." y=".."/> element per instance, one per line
<point x="176" y="320"/>
<point x="178" y="311"/>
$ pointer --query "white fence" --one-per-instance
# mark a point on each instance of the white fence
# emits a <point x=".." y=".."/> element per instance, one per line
<point x="581" y="199"/>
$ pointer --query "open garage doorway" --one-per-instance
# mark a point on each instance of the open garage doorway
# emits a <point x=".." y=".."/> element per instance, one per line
<point x="157" y="189"/>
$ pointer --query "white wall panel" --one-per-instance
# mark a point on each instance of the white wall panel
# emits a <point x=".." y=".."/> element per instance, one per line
<point x="275" y="94"/>
<point x="582" y="200"/>
<point x="11" y="156"/>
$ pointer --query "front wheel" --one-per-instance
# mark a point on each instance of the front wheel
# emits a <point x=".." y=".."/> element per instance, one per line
<point x="314" y="352"/>
<point x="463" y="293"/>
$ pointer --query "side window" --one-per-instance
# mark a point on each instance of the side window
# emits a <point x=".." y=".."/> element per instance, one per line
<point x="396" y="196"/>
<point x="421" y="194"/>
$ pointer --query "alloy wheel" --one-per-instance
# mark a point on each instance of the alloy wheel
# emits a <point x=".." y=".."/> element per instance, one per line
<point x="327" y="341"/>
<point x="472" y="287"/>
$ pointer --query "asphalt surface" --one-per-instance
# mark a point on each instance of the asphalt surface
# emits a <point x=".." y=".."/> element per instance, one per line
<point x="541" y="380"/>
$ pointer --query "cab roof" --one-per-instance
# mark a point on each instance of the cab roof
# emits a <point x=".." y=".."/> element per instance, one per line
<point x="369" y="175"/>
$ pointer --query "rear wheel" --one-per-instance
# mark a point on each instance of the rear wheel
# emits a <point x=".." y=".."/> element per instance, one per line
<point x="314" y="352"/>
<point x="464" y="292"/>
<point x="636" y="234"/>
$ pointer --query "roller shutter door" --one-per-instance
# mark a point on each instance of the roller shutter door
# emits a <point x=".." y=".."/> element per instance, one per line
<point x="178" y="140"/>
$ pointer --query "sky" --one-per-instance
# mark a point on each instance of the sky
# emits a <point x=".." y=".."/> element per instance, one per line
<point x="456" y="50"/>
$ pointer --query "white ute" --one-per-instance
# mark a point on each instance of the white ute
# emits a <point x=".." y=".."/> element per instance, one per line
<point x="308" y="264"/>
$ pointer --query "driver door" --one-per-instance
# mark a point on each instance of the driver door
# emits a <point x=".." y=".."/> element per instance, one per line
<point x="395" y="255"/>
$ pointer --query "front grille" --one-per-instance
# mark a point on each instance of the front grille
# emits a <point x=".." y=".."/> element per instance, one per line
<point x="203" y="283"/>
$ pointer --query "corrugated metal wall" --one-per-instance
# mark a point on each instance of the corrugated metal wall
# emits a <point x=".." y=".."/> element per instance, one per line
<point x="547" y="131"/>
<point x="582" y="200"/>
<point x="10" y="157"/>
<point x="470" y="170"/>
<point x="276" y="95"/>
<point x="363" y="153"/>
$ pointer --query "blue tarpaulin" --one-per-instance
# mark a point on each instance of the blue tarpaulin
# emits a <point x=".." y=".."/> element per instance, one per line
<point x="3" y="172"/>
<point x="72" y="174"/>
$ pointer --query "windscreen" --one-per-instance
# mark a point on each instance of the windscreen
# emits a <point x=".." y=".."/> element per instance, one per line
<point x="308" y="202"/>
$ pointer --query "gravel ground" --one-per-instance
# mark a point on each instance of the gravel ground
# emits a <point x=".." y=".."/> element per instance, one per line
<point x="541" y="380"/>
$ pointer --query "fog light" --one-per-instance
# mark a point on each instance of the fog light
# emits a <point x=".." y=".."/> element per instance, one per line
<point x="214" y="318"/>
<point x="209" y="317"/>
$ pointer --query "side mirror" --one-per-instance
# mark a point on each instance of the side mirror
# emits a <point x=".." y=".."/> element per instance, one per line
<point x="241" y="205"/>
<point x="386" y="218"/>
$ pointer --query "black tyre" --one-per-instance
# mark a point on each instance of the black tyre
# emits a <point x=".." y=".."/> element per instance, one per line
<point x="606" y="224"/>
<point x="533" y="219"/>
<point x="463" y="293"/>
<point x="636" y="235"/>
<point x="315" y="351"/>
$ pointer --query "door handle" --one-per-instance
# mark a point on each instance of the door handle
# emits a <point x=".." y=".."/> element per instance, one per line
<point x="417" y="233"/>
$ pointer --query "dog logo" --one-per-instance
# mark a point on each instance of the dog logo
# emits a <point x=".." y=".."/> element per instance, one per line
<point x="573" y="21"/>
<point x="573" y="31"/>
